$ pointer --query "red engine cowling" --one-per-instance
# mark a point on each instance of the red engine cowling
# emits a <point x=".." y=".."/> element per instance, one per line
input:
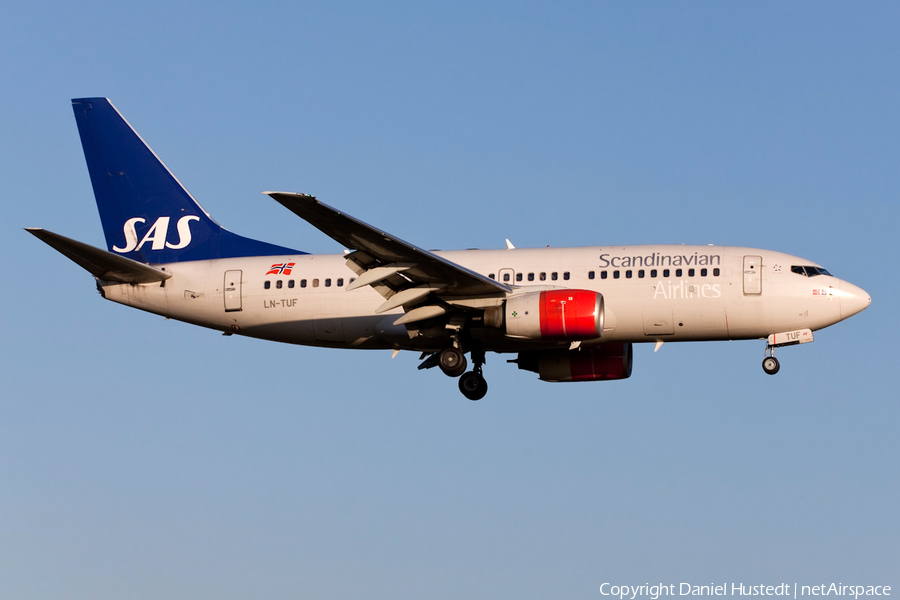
<point x="612" y="360"/>
<point x="570" y="315"/>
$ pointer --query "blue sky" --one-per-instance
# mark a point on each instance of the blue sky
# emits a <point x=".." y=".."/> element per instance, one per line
<point x="145" y="458"/>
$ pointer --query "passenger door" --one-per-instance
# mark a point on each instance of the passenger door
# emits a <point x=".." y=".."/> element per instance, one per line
<point x="232" y="291"/>
<point x="752" y="275"/>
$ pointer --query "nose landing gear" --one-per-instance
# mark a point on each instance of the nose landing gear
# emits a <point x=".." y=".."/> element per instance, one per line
<point x="777" y="340"/>
<point x="770" y="364"/>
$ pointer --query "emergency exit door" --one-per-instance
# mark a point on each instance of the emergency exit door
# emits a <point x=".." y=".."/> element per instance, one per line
<point x="232" y="291"/>
<point x="752" y="275"/>
<point x="507" y="276"/>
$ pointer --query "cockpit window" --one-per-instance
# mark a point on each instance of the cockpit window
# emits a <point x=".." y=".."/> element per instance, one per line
<point x="809" y="271"/>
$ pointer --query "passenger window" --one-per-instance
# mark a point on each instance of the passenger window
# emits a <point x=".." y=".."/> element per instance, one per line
<point x="491" y="276"/>
<point x="328" y="283"/>
<point x="590" y="274"/>
<point x="352" y="279"/>
<point x="615" y="274"/>
<point x="506" y="277"/>
<point x="543" y="277"/>
<point x="267" y="284"/>
<point x="554" y="276"/>
<point x="665" y="272"/>
<point x="678" y="272"/>
<point x="566" y="275"/>
<point x="315" y="283"/>
<point x="291" y="284"/>
<point x="302" y="283"/>
<point x="641" y="274"/>
<point x="518" y="277"/>
<point x="703" y="272"/>
<point x="278" y="284"/>
<point x="716" y="272"/>
<point x="690" y="272"/>
<point x="628" y="274"/>
<point x="340" y="282"/>
<point x="652" y="272"/>
<point x="603" y="274"/>
<point x="531" y="277"/>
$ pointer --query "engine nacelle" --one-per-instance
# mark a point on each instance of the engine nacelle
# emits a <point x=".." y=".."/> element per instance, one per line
<point x="612" y="360"/>
<point x="569" y="315"/>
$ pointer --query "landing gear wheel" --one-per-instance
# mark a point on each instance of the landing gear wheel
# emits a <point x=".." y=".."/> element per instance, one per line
<point x="770" y="365"/>
<point x="452" y="361"/>
<point x="473" y="386"/>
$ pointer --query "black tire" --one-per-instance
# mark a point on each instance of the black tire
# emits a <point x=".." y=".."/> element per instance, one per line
<point x="770" y="365"/>
<point x="452" y="362"/>
<point x="473" y="386"/>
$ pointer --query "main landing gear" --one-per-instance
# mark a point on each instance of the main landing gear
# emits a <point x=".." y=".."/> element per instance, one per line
<point x="453" y="363"/>
<point x="472" y="384"/>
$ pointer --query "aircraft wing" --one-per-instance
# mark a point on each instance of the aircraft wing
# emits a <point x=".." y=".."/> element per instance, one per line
<point x="403" y="273"/>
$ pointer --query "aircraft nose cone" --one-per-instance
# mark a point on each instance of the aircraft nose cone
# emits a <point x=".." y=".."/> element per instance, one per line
<point x="853" y="300"/>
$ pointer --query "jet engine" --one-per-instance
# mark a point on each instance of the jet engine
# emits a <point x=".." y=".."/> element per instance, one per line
<point x="565" y="315"/>
<point x="612" y="360"/>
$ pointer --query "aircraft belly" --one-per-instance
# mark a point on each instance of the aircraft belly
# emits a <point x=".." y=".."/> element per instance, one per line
<point x="324" y="330"/>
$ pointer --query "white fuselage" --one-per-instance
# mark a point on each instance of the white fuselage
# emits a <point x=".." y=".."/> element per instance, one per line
<point x="651" y="294"/>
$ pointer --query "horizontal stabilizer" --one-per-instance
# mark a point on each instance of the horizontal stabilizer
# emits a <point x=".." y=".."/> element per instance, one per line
<point x="100" y="263"/>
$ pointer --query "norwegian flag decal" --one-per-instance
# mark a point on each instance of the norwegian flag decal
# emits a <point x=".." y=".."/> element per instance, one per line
<point x="281" y="269"/>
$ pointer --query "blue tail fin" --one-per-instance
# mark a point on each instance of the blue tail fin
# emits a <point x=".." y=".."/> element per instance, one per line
<point x="147" y="214"/>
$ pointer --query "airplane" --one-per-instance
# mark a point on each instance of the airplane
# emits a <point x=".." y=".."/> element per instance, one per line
<point x="567" y="314"/>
